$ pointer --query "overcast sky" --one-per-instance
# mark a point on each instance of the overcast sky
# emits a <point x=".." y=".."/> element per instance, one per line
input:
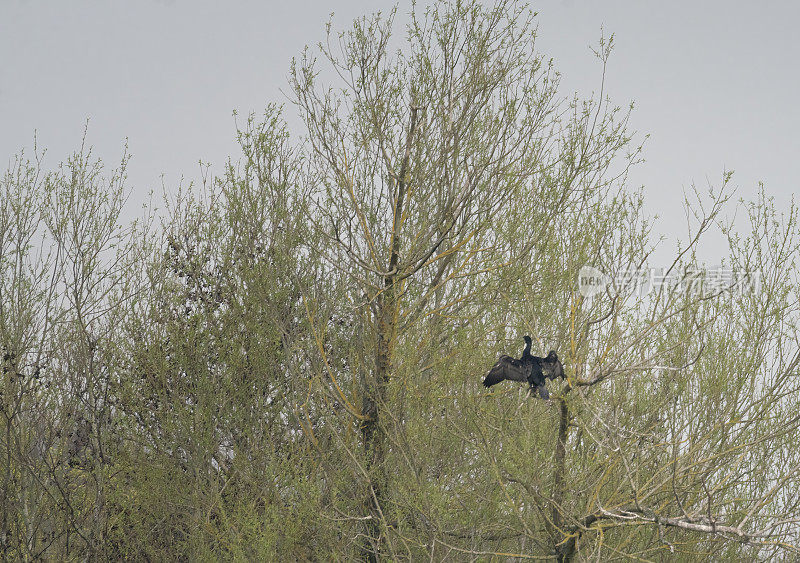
<point x="715" y="83"/>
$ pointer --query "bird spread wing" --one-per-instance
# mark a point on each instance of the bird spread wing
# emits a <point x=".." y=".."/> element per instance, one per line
<point x="552" y="370"/>
<point x="506" y="367"/>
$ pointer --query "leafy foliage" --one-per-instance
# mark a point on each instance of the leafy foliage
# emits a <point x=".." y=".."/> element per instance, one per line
<point x="286" y="363"/>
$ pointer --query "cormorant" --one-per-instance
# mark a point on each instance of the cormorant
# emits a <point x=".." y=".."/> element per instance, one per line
<point x="528" y="368"/>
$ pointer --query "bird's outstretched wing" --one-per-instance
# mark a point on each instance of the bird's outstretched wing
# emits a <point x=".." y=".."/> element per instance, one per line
<point x="506" y="367"/>
<point x="552" y="368"/>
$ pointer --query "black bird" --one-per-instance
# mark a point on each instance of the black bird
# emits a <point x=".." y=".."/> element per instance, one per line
<point x="527" y="368"/>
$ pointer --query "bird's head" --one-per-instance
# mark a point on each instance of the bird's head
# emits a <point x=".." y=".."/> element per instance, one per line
<point x="552" y="356"/>
<point x="527" y="339"/>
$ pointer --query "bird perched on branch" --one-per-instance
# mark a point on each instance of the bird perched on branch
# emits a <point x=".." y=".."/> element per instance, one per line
<point x="532" y="369"/>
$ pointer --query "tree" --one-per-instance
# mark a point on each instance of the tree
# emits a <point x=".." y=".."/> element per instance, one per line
<point x="430" y="162"/>
<point x="435" y="167"/>
<point x="286" y="361"/>
<point x="63" y="274"/>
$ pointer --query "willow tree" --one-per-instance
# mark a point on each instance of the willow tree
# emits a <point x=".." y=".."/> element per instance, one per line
<point x="64" y="257"/>
<point x="457" y="195"/>
<point x="426" y="160"/>
<point x="292" y="367"/>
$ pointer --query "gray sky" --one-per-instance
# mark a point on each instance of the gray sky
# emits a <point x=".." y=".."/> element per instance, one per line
<point x="715" y="83"/>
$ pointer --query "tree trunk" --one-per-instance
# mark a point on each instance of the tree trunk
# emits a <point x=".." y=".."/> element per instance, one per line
<point x="566" y="551"/>
<point x="372" y="430"/>
<point x="373" y="433"/>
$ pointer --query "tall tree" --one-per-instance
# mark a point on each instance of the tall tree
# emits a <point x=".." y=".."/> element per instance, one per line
<point x="290" y="364"/>
<point x="435" y="166"/>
